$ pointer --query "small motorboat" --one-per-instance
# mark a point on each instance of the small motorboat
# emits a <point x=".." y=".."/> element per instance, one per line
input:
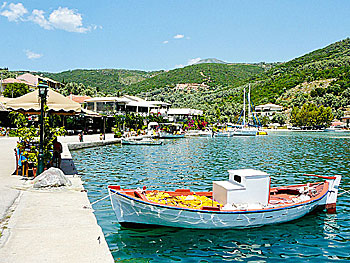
<point x="140" y="142"/>
<point x="198" y="133"/>
<point x="167" y="135"/>
<point x="261" y="132"/>
<point x="222" y="134"/>
<point x="336" y="129"/>
<point x="245" y="200"/>
<point x="244" y="131"/>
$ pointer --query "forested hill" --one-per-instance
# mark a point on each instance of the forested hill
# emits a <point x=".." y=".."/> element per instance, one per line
<point x="210" y="74"/>
<point x="108" y="81"/>
<point x="111" y="81"/>
<point x="331" y="62"/>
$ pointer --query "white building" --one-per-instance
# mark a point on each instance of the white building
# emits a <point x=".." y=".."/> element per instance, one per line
<point x="181" y="114"/>
<point x="128" y="104"/>
<point x="120" y="105"/>
<point x="268" y="109"/>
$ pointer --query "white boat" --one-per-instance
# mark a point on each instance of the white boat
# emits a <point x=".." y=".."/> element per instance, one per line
<point x="198" y="133"/>
<point x="171" y="131"/>
<point x="144" y="141"/>
<point x="245" y="200"/>
<point x="223" y="134"/>
<point x="240" y="130"/>
<point x="222" y="130"/>
<point x="335" y="129"/>
<point x="167" y="135"/>
<point x="245" y="129"/>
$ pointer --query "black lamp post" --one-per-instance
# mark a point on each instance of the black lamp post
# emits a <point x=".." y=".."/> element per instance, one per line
<point x="42" y="94"/>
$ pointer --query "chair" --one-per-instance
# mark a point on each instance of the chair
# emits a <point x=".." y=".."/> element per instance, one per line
<point x="17" y="160"/>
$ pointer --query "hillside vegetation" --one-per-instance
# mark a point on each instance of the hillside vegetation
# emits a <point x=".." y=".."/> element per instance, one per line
<point x="108" y="81"/>
<point x="331" y="62"/>
<point x="211" y="74"/>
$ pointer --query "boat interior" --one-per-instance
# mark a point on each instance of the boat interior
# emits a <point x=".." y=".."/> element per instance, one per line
<point x="279" y="196"/>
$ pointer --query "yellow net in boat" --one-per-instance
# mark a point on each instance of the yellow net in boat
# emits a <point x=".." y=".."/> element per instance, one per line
<point x="188" y="201"/>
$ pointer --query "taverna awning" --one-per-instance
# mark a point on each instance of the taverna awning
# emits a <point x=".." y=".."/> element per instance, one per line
<point x="57" y="103"/>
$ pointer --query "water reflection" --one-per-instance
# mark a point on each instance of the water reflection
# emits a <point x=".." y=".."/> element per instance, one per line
<point x="195" y="163"/>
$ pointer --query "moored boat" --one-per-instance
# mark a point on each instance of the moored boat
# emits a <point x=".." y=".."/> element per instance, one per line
<point x="171" y="131"/>
<point x="261" y="132"/>
<point x="249" y="127"/>
<point x="245" y="200"/>
<point x="198" y="133"/>
<point x="222" y="134"/>
<point x="140" y="142"/>
<point x="336" y="129"/>
<point x="244" y="131"/>
<point x="167" y="135"/>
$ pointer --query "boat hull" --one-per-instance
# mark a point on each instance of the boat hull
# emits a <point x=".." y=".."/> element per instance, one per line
<point x="126" y="142"/>
<point x="163" y="135"/>
<point x="244" y="132"/>
<point x="135" y="211"/>
<point x="222" y="134"/>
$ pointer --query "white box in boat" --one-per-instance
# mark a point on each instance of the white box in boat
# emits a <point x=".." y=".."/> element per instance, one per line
<point x="246" y="186"/>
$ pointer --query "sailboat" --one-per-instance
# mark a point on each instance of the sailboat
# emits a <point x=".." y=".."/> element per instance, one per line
<point x="245" y="129"/>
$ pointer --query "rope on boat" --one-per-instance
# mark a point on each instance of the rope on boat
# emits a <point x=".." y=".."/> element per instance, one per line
<point x="103" y="198"/>
<point x="345" y="192"/>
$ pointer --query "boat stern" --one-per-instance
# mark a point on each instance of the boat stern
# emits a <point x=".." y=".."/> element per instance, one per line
<point x="332" y="194"/>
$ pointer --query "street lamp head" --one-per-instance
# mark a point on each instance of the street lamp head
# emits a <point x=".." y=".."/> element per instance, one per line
<point x="42" y="89"/>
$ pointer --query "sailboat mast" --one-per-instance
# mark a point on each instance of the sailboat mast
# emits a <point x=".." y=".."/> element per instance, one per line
<point x="249" y="114"/>
<point x="244" y="106"/>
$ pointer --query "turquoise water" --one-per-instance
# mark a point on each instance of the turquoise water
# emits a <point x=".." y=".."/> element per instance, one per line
<point x="194" y="163"/>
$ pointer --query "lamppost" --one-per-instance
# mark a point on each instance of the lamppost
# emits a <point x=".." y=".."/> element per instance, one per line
<point x="42" y="94"/>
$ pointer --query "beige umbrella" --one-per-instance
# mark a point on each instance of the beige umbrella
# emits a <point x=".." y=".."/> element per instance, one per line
<point x="57" y="103"/>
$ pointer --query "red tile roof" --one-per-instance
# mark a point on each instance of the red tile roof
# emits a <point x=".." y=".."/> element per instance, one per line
<point x="11" y="80"/>
<point x="79" y="99"/>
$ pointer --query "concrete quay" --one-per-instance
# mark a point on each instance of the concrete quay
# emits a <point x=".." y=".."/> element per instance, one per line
<point x="49" y="225"/>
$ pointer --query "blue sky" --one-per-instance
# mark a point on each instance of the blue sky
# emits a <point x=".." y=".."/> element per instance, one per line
<point x="54" y="36"/>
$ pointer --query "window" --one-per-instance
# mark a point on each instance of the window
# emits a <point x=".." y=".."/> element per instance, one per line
<point x="237" y="178"/>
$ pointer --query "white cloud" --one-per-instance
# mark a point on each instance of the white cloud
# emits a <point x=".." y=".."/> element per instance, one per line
<point x="3" y="5"/>
<point x="165" y="42"/>
<point x="32" y="55"/>
<point x="193" y="61"/>
<point x="189" y="62"/>
<point x="62" y="18"/>
<point x="14" y="12"/>
<point x="178" y="36"/>
<point x="67" y="19"/>
<point x="39" y="18"/>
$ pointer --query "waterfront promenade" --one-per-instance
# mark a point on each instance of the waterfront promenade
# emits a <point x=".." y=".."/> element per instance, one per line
<point x="48" y="225"/>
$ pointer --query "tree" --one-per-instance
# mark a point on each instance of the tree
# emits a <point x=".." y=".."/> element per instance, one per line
<point x="338" y="114"/>
<point x="28" y="133"/>
<point x="15" y="90"/>
<point x="264" y="120"/>
<point x="279" y="118"/>
<point x="294" y="116"/>
<point x="311" y="116"/>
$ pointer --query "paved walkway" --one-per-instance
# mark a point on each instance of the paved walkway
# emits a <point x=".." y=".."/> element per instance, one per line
<point x="7" y="165"/>
<point x="46" y="225"/>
